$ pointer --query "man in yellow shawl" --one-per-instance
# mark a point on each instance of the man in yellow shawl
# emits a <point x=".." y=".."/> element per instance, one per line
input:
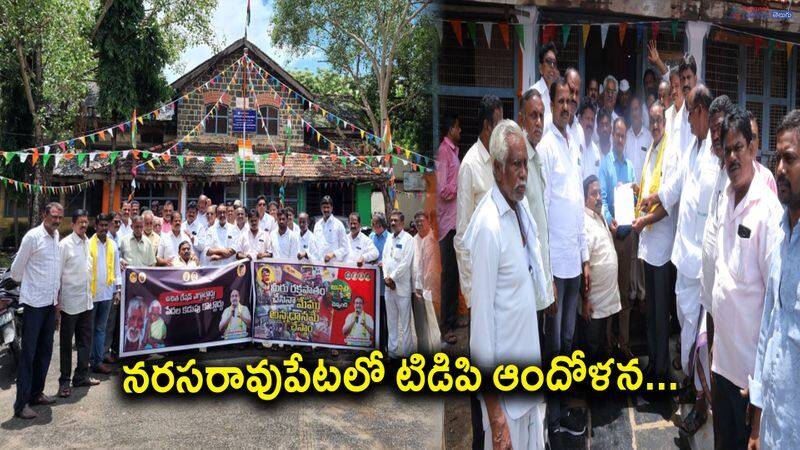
<point x="105" y="283"/>
<point x="656" y="231"/>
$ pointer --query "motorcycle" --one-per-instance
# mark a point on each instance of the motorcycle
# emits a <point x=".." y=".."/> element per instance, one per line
<point x="10" y="314"/>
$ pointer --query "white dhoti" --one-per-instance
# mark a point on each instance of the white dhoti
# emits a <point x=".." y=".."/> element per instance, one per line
<point x="527" y="431"/>
<point x="687" y="291"/>
<point x="399" y="324"/>
<point x="429" y="338"/>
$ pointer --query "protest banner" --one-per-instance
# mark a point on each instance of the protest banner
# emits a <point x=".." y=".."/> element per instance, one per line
<point x="166" y="309"/>
<point x="322" y="305"/>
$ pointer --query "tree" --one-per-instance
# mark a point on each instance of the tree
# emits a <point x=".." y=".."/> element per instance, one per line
<point x="54" y="60"/>
<point x="361" y="39"/>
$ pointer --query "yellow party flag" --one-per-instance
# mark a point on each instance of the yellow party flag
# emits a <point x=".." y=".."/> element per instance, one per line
<point x="586" y="27"/>
<point x="789" y="47"/>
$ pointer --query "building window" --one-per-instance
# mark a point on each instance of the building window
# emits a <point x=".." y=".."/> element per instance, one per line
<point x="217" y="122"/>
<point x="268" y="120"/>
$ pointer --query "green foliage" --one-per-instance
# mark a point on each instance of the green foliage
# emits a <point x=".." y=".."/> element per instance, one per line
<point x="131" y="56"/>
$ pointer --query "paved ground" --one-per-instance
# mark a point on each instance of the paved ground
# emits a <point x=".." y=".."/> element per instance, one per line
<point x="614" y="423"/>
<point x="102" y="417"/>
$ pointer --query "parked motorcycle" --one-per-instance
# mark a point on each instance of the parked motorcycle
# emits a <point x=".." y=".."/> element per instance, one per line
<point x="10" y="314"/>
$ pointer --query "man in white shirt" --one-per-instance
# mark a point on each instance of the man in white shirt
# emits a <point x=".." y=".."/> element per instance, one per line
<point x="590" y="159"/>
<point x="203" y="203"/>
<point x="507" y="277"/>
<point x="568" y="252"/>
<point x="603" y="132"/>
<point x="691" y="192"/>
<point x="125" y="226"/>
<point x="168" y="245"/>
<point x="148" y="220"/>
<point x="656" y="231"/>
<point x="398" y="258"/>
<point x="749" y="233"/>
<point x="265" y="221"/>
<point x="254" y="243"/>
<point x="426" y="273"/>
<point x="308" y="248"/>
<point x="603" y="300"/>
<point x="531" y="112"/>
<point x="219" y="245"/>
<point x="290" y="220"/>
<point x="240" y="222"/>
<point x="609" y="103"/>
<point x="637" y="141"/>
<point x="548" y="68"/>
<point x="105" y="286"/>
<point x="330" y="234"/>
<point x="37" y="266"/>
<point x="192" y="226"/>
<point x="474" y="181"/>
<point x="285" y="244"/>
<point x="361" y="247"/>
<point x="76" y="305"/>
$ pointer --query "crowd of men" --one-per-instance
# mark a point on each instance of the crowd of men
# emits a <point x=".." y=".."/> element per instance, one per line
<point x="528" y="229"/>
<point x="73" y="285"/>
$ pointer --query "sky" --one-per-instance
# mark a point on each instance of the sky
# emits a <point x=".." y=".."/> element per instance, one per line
<point x="229" y="19"/>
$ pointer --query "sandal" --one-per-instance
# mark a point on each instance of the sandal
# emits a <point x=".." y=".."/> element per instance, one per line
<point x="64" y="392"/>
<point x="693" y="422"/>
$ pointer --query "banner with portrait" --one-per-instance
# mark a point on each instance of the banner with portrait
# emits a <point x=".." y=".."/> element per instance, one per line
<point x="166" y="309"/>
<point x="322" y="305"/>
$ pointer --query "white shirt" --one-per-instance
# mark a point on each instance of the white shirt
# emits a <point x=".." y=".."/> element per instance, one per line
<point x="655" y="241"/>
<point x="544" y="91"/>
<point x="194" y="229"/>
<point x="286" y="245"/>
<point x="332" y="238"/>
<point x="103" y="291"/>
<point x="681" y="133"/>
<point x="125" y="229"/>
<point x="267" y="223"/>
<point x="398" y="258"/>
<point x="475" y="179"/>
<point x="590" y="162"/>
<point x="709" y="251"/>
<point x="742" y="271"/>
<point x="308" y="245"/>
<point x="576" y="134"/>
<point x="604" y="295"/>
<point x="237" y="232"/>
<point x="636" y="146"/>
<point x="691" y="190"/>
<point x="563" y="198"/>
<point x="507" y="277"/>
<point x="169" y="244"/>
<point x="219" y="237"/>
<point x="202" y="221"/>
<point x="75" y="296"/>
<point x="361" y="246"/>
<point x="37" y="266"/>
<point x="252" y="244"/>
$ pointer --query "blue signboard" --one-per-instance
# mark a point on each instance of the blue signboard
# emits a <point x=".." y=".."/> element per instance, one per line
<point x="244" y="120"/>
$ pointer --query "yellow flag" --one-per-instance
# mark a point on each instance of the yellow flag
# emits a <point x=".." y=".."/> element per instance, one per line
<point x="586" y="27"/>
<point x="789" y="47"/>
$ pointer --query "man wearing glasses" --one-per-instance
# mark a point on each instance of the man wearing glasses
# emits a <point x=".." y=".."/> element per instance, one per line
<point x="548" y="67"/>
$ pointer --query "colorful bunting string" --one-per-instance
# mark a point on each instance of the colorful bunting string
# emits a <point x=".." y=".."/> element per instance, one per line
<point x="21" y="186"/>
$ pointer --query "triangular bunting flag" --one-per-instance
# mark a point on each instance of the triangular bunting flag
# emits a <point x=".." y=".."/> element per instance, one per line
<point x="112" y="156"/>
<point x="150" y="163"/>
<point x="110" y="131"/>
<point x="789" y="47"/>
<point x="518" y="28"/>
<point x="81" y="158"/>
<point x="639" y="32"/>
<point x="472" y="29"/>
<point x="9" y="157"/>
<point x="623" y="27"/>
<point x="585" y="28"/>
<point x="92" y="156"/>
<point x="456" y="24"/>
<point x="564" y="36"/>
<point x="656" y="28"/>
<point x="145" y="155"/>
<point x="23" y="156"/>
<point x="35" y="156"/>
<point x="83" y="140"/>
<point x="46" y="159"/>
<point x="59" y="157"/>
<point x="757" y="42"/>
<point x="487" y="31"/>
<point x="504" y="34"/>
<point x="603" y="34"/>
<point x="674" y="27"/>
<point x="770" y="46"/>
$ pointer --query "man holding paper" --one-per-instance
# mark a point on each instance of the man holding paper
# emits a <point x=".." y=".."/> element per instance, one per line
<point x="618" y="188"/>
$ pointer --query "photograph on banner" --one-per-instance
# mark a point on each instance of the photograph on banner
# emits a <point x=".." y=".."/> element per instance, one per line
<point x="165" y="309"/>
<point x="321" y="305"/>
